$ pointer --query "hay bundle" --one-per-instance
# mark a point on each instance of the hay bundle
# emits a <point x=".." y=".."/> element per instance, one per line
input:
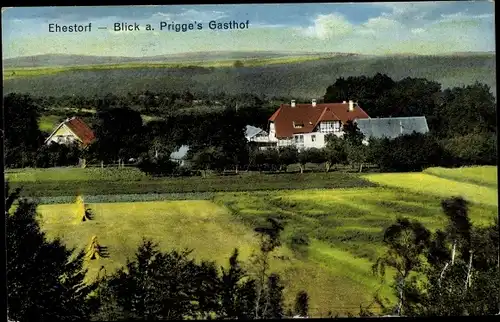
<point x="96" y="251"/>
<point x="93" y="251"/>
<point x="83" y="213"/>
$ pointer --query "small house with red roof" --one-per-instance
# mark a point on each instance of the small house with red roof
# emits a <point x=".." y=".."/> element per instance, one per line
<point x="72" y="130"/>
<point x="306" y="125"/>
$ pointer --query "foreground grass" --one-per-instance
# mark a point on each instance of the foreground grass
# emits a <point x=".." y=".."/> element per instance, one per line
<point x="485" y="175"/>
<point x="345" y="227"/>
<point x="96" y="181"/>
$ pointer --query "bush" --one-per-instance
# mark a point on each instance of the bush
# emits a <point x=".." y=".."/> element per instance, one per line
<point x="184" y="171"/>
<point x="471" y="149"/>
<point x="57" y="155"/>
<point x="299" y="242"/>
<point x="413" y="152"/>
<point x="158" y="167"/>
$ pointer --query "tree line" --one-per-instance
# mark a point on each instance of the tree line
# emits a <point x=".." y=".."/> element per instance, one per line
<point x="462" y="123"/>
<point x="449" y="272"/>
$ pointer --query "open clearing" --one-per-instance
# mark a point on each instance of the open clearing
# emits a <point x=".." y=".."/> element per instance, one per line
<point x="345" y="226"/>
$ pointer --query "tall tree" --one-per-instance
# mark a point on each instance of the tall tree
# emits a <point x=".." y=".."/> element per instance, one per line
<point x="468" y="109"/>
<point x="45" y="280"/>
<point x="405" y="241"/>
<point x="459" y="273"/>
<point x="22" y="135"/>
<point x="369" y="92"/>
<point x="157" y="285"/>
<point x="334" y="151"/>
<point x="237" y="292"/>
<point x="162" y="137"/>
<point x="267" y="286"/>
<point x="357" y="155"/>
<point x="119" y="134"/>
<point x="412" y="97"/>
<point x="311" y="155"/>
<point x="352" y="133"/>
<point x="301" y="306"/>
<point x="273" y="303"/>
<point x="287" y="155"/>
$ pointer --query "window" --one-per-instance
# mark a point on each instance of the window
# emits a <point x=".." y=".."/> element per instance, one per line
<point x="301" y="139"/>
<point x="336" y="127"/>
<point x="313" y="138"/>
<point x="298" y="125"/>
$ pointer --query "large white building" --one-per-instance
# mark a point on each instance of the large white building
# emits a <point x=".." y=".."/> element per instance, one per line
<point x="306" y="125"/>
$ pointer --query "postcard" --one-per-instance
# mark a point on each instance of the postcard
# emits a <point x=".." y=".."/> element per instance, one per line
<point x="251" y="161"/>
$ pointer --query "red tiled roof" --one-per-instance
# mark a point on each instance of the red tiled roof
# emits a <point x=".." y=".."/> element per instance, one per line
<point x="84" y="133"/>
<point x="310" y="116"/>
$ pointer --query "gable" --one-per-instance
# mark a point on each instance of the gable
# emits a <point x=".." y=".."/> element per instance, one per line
<point x="64" y="131"/>
<point x="252" y="131"/>
<point x="75" y="128"/>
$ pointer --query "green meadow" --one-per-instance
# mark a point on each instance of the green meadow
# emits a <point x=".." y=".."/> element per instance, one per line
<point x="485" y="175"/>
<point x="344" y="225"/>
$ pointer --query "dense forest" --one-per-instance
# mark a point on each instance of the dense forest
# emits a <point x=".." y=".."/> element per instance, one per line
<point x="302" y="78"/>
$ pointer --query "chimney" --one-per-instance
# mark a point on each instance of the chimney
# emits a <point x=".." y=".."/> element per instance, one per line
<point x="351" y="106"/>
<point x="314" y="102"/>
<point x="344" y="102"/>
<point x="293" y="103"/>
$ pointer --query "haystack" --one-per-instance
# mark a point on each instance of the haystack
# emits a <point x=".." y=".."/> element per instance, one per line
<point x="94" y="250"/>
<point x="83" y="213"/>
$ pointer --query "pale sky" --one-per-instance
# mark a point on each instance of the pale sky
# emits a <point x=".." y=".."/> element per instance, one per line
<point x="365" y="28"/>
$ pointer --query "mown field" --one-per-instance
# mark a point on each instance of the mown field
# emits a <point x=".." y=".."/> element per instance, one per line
<point x="306" y="76"/>
<point x="119" y="181"/>
<point x="344" y="225"/>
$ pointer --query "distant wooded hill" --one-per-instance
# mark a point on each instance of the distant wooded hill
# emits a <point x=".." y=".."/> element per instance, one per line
<point x="270" y="74"/>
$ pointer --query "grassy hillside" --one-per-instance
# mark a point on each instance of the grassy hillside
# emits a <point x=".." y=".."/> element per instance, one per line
<point x="62" y="60"/>
<point x="305" y="76"/>
<point x="486" y="175"/>
<point x="345" y="227"/>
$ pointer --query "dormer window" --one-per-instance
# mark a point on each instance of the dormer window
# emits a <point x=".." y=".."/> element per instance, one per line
<point x="298" y="125"/>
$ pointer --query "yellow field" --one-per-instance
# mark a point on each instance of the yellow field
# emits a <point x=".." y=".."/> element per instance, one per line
<point x="345" y="227"/>
<point x="429" y="184"/>
<point x="213" y="234"/>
